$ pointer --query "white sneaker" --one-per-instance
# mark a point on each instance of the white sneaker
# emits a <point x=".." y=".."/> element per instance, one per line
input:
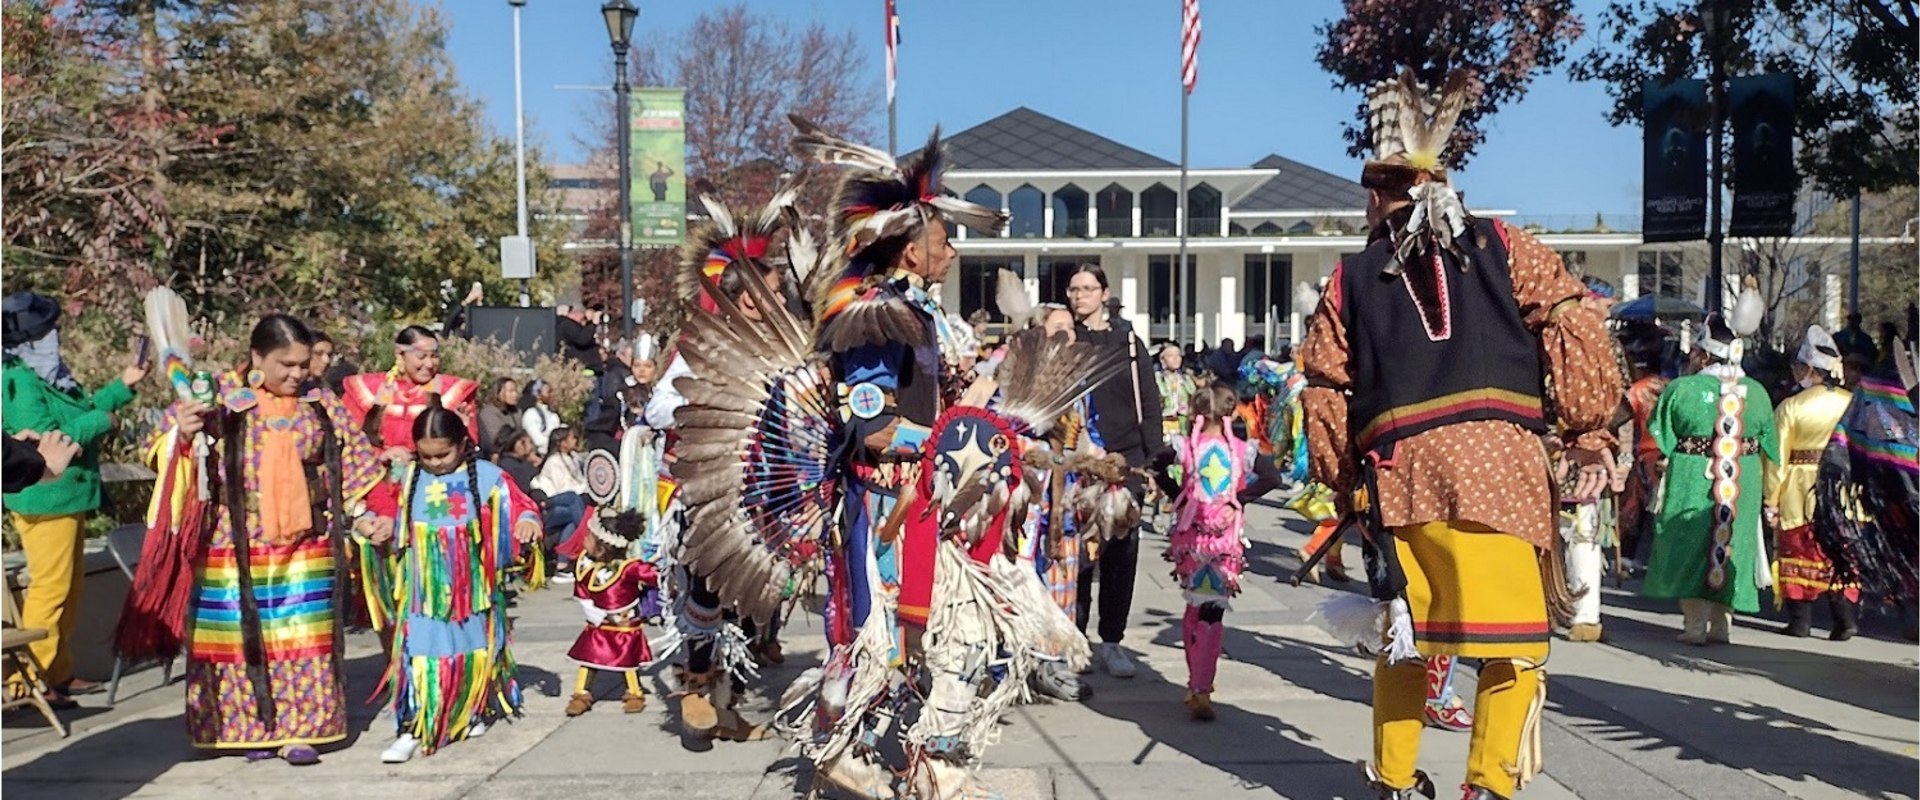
<point x="1116" y="661"/>
<point x="562" y="578"/>
<point x="476" y="730"/>
<point x="401" y="751"/>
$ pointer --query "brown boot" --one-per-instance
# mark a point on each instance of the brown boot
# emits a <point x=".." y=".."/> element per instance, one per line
<point x="854" y="776"/>
<point x="580" y="704"/>
<point x="633" y="703"/>
<point x="735" y="728"/>
<point x="697" y="714"/>
<point x="1200" y="706"/>
<point x="772" y="654"/>
<point x="1584" y="632"/>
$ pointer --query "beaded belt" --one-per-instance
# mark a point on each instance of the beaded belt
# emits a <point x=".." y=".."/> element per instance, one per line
<point x="1804" y="457"/>
<point x="1703" y="446"/>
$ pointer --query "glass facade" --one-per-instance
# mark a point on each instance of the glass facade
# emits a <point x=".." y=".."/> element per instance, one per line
<point x="1160" y="277"/>
<point x="1027" y="206"/>
<point x="1070" y="204"/>
<point x="1116" y="211"/>
<point x="1265" y="288"/>
<point x="977" y="282"/>
<point x="1662" y="273"/>
<point x="1159" y="208"/>
<point x="984" y="195"/>
<point x="1203" y="210"/>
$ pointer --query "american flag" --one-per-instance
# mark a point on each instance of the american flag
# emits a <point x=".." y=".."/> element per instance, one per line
<point x="1189" y="43"/>
<point x="893" y="48"/>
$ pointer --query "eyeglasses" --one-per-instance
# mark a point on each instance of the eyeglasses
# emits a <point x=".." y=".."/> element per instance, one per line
<point x="1083" y="290"/>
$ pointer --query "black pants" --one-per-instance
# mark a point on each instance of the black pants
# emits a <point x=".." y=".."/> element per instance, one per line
<point x="1119" y="560"/>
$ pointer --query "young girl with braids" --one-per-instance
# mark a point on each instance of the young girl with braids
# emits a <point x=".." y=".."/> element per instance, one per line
<point x="460" y="524"/>
<point x="1220" y="470"/>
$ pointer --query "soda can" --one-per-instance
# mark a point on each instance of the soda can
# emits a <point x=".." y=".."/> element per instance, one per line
<point x="202" y="387"/>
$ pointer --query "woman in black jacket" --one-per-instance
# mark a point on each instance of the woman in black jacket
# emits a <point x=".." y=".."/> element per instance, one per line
<point x="1126" y="420"/>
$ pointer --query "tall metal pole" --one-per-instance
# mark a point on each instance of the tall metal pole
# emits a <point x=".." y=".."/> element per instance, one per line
<point x="893" y="130"/>
<point x="1183" y="297"/>
<point x="520" y="148"/>
<point x="622" y="92"/>
<point x="1716" y="237"/>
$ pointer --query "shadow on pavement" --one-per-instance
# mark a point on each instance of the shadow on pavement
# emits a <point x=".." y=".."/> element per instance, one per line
<point x="1826" y="674"/>
<point x="1747" y="736"/>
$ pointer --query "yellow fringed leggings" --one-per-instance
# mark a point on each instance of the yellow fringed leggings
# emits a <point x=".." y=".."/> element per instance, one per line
<point x="1502" y="704"/>
<point x="586" y="681"/>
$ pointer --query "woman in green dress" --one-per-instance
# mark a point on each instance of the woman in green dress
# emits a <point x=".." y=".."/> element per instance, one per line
<point x="1713" y="426"/>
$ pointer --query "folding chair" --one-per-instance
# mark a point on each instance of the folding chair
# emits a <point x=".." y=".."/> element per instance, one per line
<point x="18" y="659"/>
<point x="124" y="544"/>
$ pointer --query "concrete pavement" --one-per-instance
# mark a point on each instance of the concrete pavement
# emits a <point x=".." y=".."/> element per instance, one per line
<point x="1638" y="716"/>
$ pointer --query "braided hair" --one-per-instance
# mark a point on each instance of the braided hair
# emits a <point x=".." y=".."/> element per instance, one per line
<point x="437" y="422"/>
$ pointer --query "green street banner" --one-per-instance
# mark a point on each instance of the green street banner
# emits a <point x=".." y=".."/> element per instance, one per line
<point x="659" y="167"/>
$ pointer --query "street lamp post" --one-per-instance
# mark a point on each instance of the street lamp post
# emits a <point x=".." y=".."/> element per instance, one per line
<point x="520" y="150"/>
<point x="620" y="15"/>
<point x="1714" y="22"/>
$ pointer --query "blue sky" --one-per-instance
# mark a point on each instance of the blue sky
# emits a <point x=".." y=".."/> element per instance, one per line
<point x="1111" y="66"/>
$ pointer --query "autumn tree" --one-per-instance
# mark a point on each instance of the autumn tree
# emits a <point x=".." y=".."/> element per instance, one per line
<point x="312" y="156"/>
<point x="1855" y="65"/>
<point x="85" y="211"/>
<point x="1506" y="43"/>
<point x="743" y="73"/>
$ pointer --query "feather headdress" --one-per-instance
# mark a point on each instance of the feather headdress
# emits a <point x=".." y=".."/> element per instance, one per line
<point x="1819" y="351"/>
<point x="721" y="241"/>
<point x="1410" y="128"/>
<point x="877" y="200"/>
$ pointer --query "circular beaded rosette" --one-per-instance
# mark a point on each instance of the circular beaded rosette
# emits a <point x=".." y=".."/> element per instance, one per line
<point x="1724" y="470"/>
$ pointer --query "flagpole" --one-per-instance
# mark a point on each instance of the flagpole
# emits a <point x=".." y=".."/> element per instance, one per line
<point x="893" y="129"/>
<point x="1184" y="296"/>
<point x="893" y="68"/>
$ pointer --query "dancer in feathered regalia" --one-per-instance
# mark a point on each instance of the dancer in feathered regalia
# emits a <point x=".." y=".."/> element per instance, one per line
<point x="838" y="439"/>
<point x="722" y="256"/>
<point x="1869" y="487"/>
<point x="1427" y="360"/>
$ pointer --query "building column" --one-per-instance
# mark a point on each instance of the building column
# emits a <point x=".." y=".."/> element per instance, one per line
<point x="1030" y="270"/>
<point x="1046" y="215"/>
<point x="1093" y="216"/>
<point x="1226" y="228"/>
<point x="1136" y="215"/>
<point x="1232" y="319"/>
<point x="1833" y="296"/>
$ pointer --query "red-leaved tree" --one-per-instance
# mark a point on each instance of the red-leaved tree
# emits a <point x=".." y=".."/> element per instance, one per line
<point x="1507" y="43"/>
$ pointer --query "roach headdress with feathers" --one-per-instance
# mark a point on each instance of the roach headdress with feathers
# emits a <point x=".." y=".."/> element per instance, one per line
<point x="1410" y="127"/>
<point x="879" y="200"/>
<point x="721" y="240"/>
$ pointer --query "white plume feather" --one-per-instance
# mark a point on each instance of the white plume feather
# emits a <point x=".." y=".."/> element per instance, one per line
<point x="1747" y="313"/>
<point x="1306" y="299"/>
<point x="1011" y="294"/>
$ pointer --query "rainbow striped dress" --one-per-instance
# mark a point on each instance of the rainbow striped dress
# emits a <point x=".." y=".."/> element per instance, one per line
<point x="292" y="694"/>
<point x="451" y="666"/>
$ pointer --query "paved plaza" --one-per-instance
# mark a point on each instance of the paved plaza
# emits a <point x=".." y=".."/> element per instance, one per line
<point x="1638" y="716"/>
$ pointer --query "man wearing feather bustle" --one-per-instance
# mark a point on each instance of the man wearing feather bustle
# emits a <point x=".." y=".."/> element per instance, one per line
<point x="721" y="256"/>
<point x="1426" y="361"/>
<point x="920" y="576"/>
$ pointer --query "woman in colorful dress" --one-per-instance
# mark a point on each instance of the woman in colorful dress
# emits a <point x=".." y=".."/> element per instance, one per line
<point x="1806" y="421"/>
<point x="1714" y="426"/>
<point x="288" y="472"/>
<point x="461" y="522"/>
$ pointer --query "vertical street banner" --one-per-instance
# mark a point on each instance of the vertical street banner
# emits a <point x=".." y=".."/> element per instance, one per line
<point x="659" y="167"/>
<point x="1674" y="176"/>
<point x="1764" y="180"/>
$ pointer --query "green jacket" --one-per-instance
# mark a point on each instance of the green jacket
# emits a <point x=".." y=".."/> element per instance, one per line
<point x="32" y="404"/>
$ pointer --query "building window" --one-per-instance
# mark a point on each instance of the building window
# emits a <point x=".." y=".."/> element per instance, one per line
<point x="1265" y="279"/>
<point x="1160" y="296"/>
<point x="979" y="277"/>
<point x="1159" y="207"/>
<point x="1203" y="211"/>
<point x="1056" y="270"/>
<point x="1070" y="212"/>
<point x="986" y="196"/>
<point x="1661" y="273"/>
<point x="1028" y="206"/>
<point x="1116" y="211"/>
<point x="1268" y="228"/>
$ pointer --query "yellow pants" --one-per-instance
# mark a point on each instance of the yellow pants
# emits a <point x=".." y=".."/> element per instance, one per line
<point x="52" y="545"/>
<point x="1501" y="704"/>
<point x="1475" y="593"/>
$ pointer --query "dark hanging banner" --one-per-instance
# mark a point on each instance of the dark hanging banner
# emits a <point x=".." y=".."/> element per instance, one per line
<point x="1674" y="183"/>
<point x="1761" y="115"/>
